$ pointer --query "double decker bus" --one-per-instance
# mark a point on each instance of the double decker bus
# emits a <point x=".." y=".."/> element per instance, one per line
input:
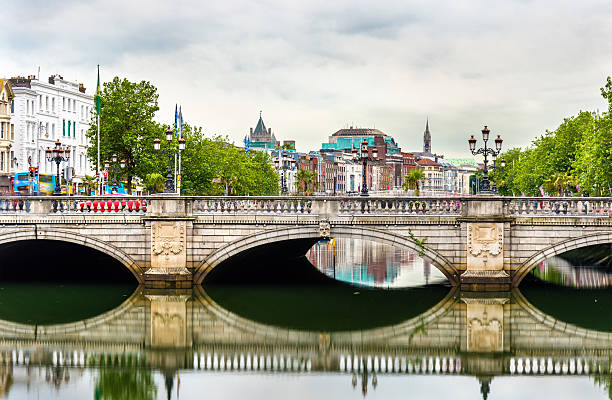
<point x="41" y="184"/>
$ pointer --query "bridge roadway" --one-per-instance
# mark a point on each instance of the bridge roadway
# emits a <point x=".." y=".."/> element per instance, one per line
<point x="477" y="334"/>
<point x="477" y="242"/>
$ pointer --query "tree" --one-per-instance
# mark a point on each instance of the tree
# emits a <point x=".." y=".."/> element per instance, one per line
<point x="89" y="184"/>
<point x="412" y="179"/>
<point x="213" y="166"/>
<point x="155" y="183"/>
<point x="126" y="126"/>
<point x="305" y="181"/>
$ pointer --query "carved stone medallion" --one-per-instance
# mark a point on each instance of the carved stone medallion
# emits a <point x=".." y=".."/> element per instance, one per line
<point x="485" y="326"/>
<point x="485" y="246"/>
<point x="168" y="242"/>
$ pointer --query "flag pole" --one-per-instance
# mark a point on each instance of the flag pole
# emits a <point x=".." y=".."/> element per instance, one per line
<point x="98" y="172"/>
<point x="98" y="102"/>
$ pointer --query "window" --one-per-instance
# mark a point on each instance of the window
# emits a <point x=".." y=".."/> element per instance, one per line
<point x="69" y="105"/>
<point x="47" y="103"/>
<point x="52" y="130"/>
<point x="63" y="127"/>
<point x="74" y="129"/>
<point x="40" y="107"/>
<point x="12" y="106"/>
<point x="12" y="131"/>
<point x="2" y="130"/>
<point x="68" y="128"/>
<point x="53" y="104"/>
<point x="47" y="129"/>
<point x="12" y="159"/>
<point x="64" y="103"/>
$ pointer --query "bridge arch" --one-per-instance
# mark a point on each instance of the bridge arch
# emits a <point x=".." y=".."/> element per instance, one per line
<point x="559" y="248"/>
<point x="35" y="233"/>
<point x="312" y="232"/>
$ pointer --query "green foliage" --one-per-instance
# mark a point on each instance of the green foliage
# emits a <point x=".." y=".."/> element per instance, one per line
<point x="419" y="242"/>
<point x="89" y="184"/>
<point x="305" y="181"/>
<point x="578" y="154"/>
<point x="155" y="183"/>
<point x="126" y="126"/>
<point x="212" y="166"/>
<point x="134" y="384"/>
<point x="412" y="179"/>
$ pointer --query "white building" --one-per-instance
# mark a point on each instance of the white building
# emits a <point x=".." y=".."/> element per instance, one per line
<point x="353" y="179"/>
<point x="286" y="167"/>
<point x="43" y="112"/>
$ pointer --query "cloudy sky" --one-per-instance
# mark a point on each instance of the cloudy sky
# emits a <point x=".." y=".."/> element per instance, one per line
<point x="314" y="67"/>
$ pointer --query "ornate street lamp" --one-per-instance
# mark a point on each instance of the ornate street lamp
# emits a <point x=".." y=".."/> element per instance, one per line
<point x="170" y="188"/>
<point x="364" y="157"/>
<point x="485" y="151"/>
<point x="58" y="154"/>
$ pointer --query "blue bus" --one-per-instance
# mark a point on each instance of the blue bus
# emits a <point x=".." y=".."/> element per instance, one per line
<point x="114" y="188"/>
<point x="43" y="184"/>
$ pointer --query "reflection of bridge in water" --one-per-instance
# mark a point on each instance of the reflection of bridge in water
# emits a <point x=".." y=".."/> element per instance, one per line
<point x="559" y="271"/>
<point x="467" y="334"/>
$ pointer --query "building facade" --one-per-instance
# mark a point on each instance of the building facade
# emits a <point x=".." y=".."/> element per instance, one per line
<point x="7" y="136"/>
<point x="434" y="176"/>
<point x="44" y="112"/>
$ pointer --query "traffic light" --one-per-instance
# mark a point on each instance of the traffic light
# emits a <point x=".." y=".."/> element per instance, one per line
<point x="32" y="171"/>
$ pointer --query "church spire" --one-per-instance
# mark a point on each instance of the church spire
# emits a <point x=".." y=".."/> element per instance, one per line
<point x="427" y="139"/>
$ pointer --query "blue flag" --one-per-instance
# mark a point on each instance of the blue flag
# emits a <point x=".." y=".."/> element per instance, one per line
<point x="175" y="120"/>
<point x="181" y="122"/>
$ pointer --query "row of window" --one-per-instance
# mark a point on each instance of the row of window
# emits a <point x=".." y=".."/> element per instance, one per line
<point x="67" y="105"/>
<point x="80" y="163"/>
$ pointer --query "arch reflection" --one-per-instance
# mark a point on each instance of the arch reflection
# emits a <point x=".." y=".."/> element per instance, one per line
<point x="483" y="335"/>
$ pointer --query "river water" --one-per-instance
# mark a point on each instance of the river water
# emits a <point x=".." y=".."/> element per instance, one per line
<point x="384" y="324"/>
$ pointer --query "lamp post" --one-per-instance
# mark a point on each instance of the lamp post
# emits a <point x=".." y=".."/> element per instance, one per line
<point x="170" y="151"/>
<point x="58" y="154"/>
<point x="114" y="169"/>
<point x="485" y="151"/>
<point x="284" y="164"/>
<point x="363" y="157"/>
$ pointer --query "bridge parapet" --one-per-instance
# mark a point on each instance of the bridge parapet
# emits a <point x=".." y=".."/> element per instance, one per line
<point x="329" y="206"/>
<point x="473" y="240"/>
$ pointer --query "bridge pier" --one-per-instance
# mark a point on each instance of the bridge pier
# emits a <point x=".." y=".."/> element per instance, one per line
<point x="487" y="264"/>
<point x="169" y="221"/>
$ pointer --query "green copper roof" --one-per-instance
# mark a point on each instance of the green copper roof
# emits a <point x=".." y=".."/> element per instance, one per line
<point x="260" y="129"/>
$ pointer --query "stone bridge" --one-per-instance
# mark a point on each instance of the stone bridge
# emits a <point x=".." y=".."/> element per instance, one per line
<point x="477" y="334"/>
<point x="477" y="242"/>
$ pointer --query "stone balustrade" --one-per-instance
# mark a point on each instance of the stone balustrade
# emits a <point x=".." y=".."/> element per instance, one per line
<point x="558" y="206"/>
<point x="331" y="206"/>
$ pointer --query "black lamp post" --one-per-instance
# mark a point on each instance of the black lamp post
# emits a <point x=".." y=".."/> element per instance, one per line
<point x="58" y="154"/>
<point x="114" y="169"/>
<point x="485" y="151"/>
<point x="170" y="151"/>
<point x="363" y="156"/>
